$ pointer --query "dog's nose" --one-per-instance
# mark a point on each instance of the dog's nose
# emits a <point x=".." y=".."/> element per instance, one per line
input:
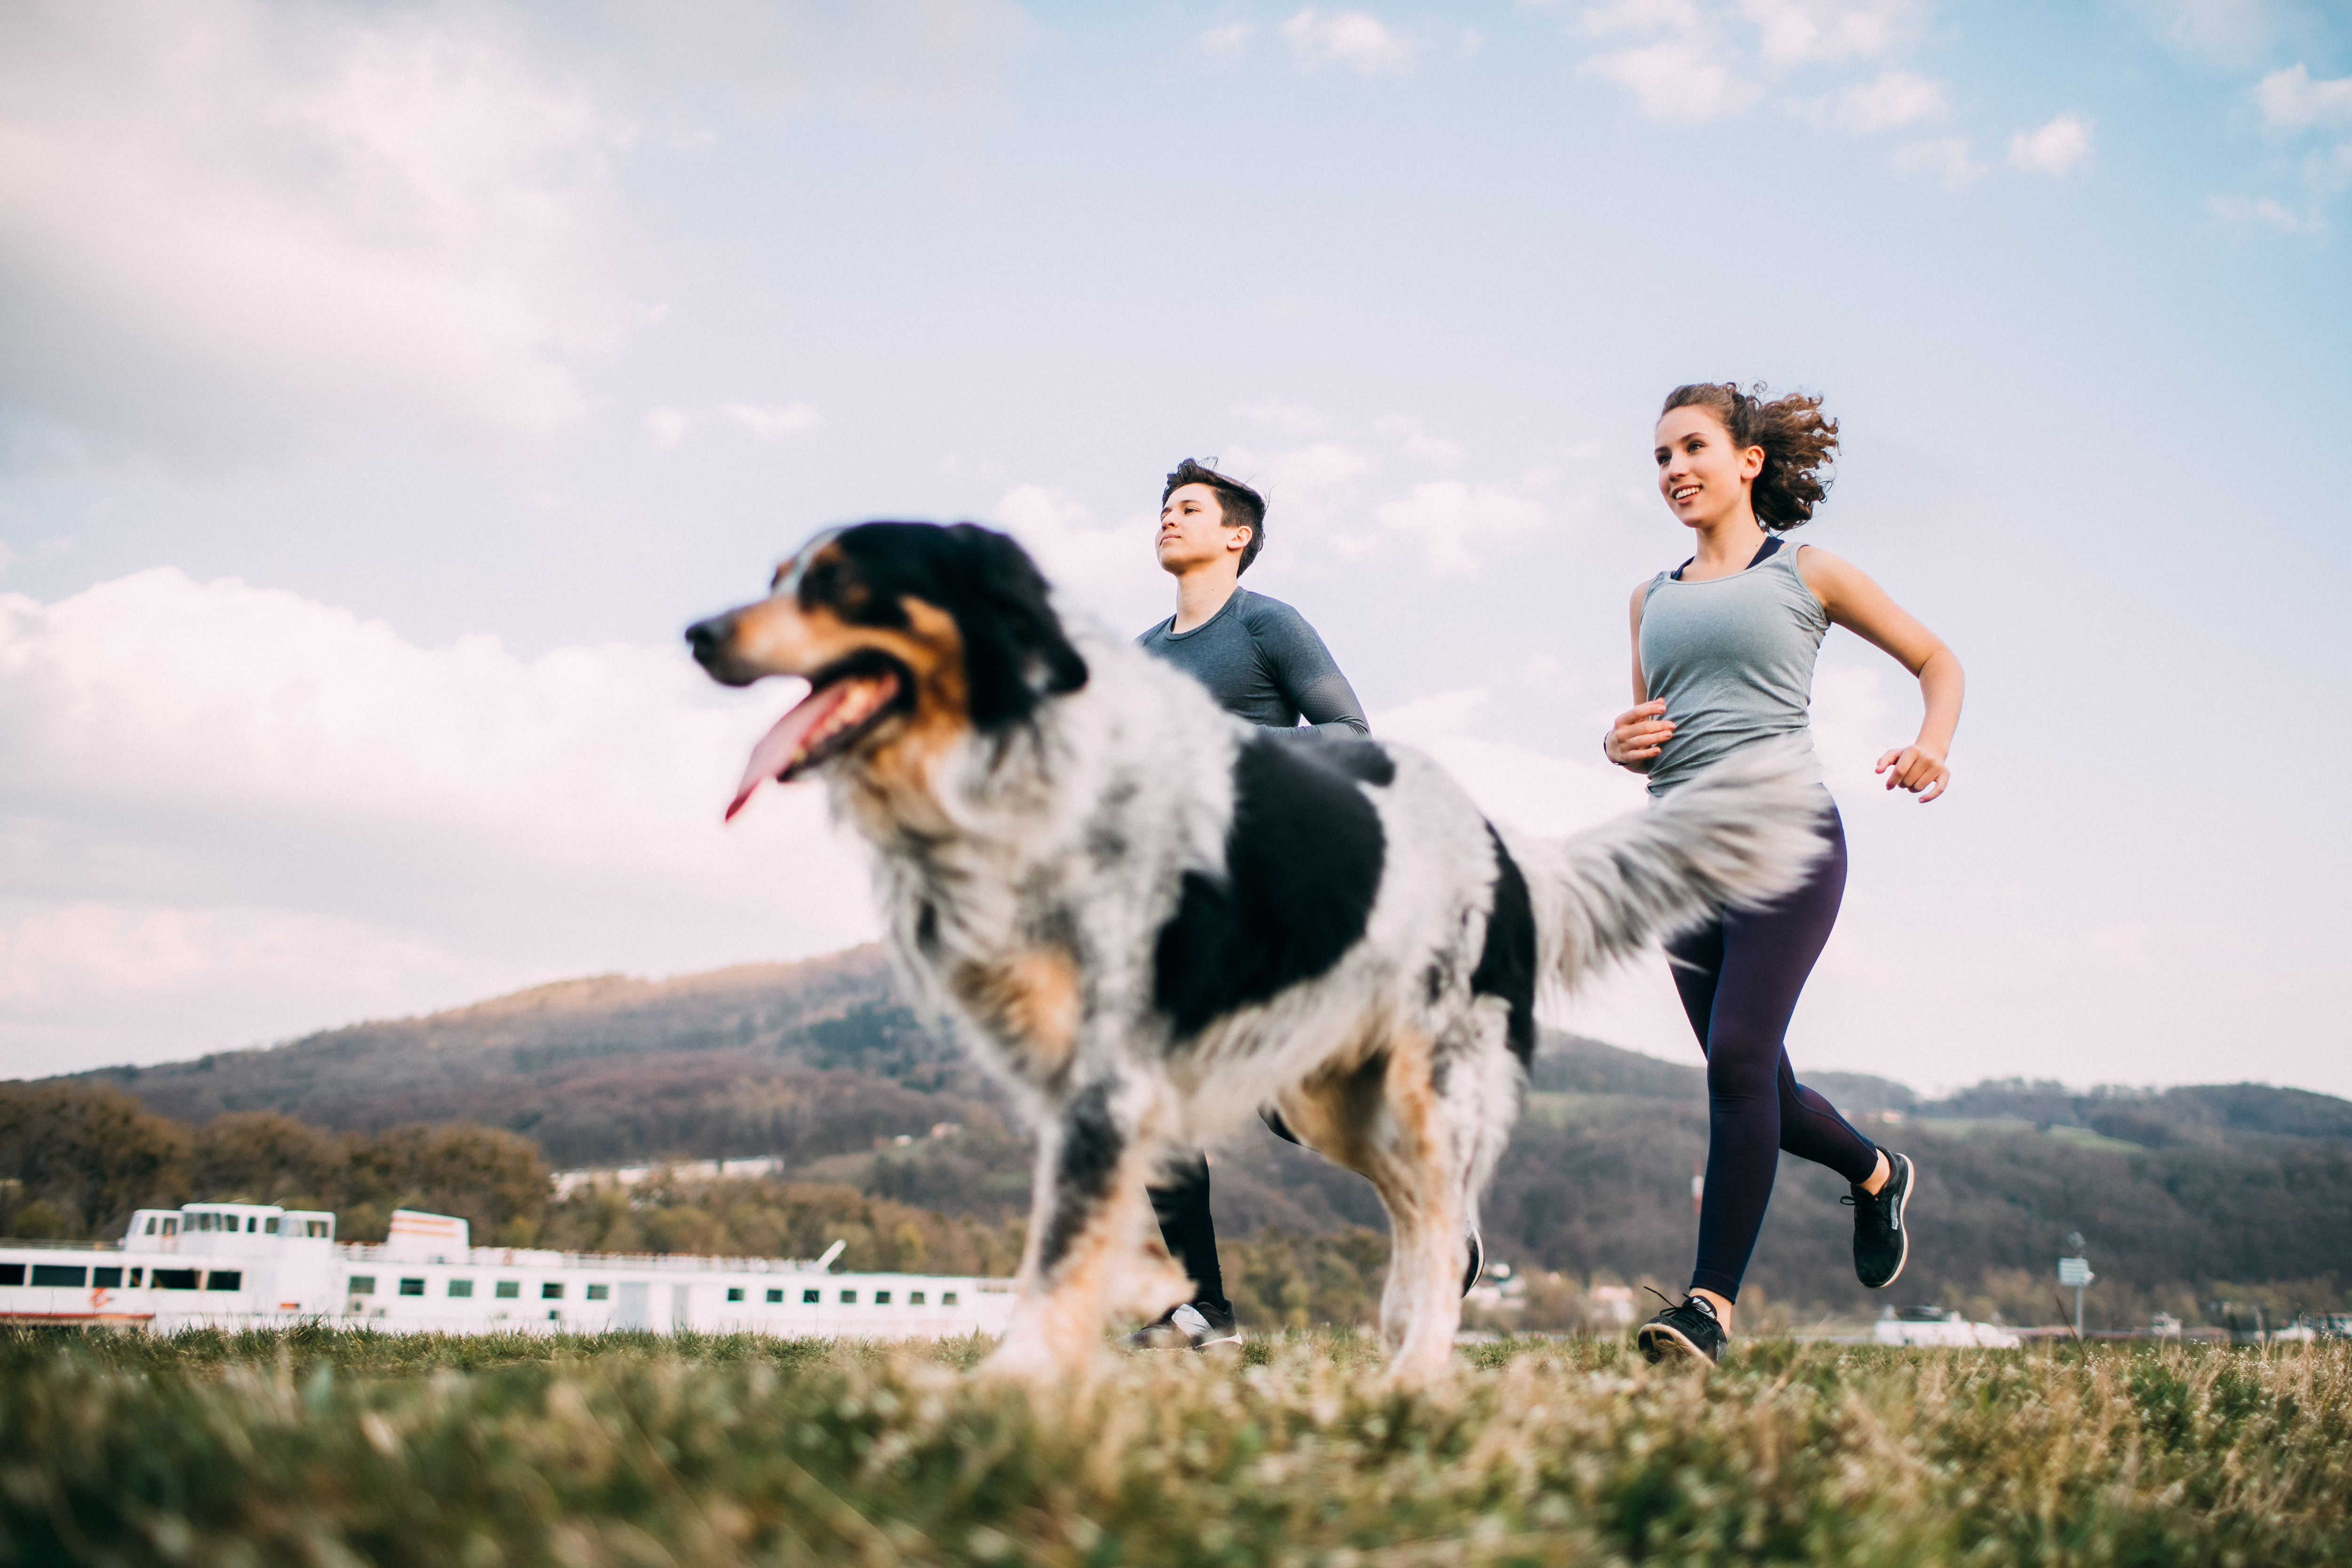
<point x="706" y="637"/>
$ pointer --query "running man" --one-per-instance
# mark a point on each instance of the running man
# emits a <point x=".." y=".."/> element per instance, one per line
<point x="1263" y="663"/>
<point x="1723" y="659"/>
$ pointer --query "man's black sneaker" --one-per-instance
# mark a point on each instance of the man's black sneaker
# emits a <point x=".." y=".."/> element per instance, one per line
<point x="1194" y="1326"/>
<point x="1477" y="1261"/>
<point x="1882" y="1236"/>
<point x="1689" y="1329"/>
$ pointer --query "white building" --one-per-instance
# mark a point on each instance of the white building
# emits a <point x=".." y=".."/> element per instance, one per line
<point x="259" y="1266"/>
<point x="1951" y="1329"/>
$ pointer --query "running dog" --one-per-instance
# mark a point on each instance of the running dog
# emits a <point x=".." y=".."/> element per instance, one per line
<point x="1151" y="919"/>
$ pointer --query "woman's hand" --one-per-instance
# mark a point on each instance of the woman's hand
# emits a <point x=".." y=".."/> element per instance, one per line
<point x="1637" y="737"/>
<point x="1915" y="768"/>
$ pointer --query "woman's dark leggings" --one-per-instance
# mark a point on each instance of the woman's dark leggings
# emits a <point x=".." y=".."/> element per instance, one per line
<point x="1740" y="979"/>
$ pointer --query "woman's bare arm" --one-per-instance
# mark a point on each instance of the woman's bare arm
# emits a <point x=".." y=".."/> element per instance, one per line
<point x="1640" y="733"/>
<point x="1864" y="608"/>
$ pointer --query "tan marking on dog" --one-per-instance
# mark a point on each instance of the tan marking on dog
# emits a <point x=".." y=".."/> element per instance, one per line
<point x="1378" y="1117"/>
<point x="893" y="766"/>
<point x="1055" y="1336"/>
<point x="1030" y="1001"/>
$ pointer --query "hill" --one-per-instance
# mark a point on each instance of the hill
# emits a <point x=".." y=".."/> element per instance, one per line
<point x="2188" y="1196"/>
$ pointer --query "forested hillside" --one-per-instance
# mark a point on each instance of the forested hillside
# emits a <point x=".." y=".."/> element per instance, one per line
<point x="2185" y="1196"/>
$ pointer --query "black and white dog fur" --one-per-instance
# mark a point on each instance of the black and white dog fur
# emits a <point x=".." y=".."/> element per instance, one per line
<point x="1151" y="918"/>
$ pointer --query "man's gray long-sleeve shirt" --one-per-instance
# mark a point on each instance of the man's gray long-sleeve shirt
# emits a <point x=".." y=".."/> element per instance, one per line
<point x="1262" y="661"/>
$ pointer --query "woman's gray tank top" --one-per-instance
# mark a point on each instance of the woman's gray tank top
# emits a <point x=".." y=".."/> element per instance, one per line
<point x="1733" y="656"/>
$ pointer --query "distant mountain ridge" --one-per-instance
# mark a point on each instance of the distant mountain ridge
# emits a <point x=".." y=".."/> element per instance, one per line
<point x="824" y="1064"/>
<point x="505" y="1059"/>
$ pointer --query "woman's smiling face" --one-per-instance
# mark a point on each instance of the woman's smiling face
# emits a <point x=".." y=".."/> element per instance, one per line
<point x="1702" y="476"/>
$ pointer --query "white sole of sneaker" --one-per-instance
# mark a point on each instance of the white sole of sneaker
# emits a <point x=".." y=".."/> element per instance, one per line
<point x="1902" y="1220"/>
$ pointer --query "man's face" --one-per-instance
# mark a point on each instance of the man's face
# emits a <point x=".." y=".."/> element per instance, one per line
<point x="1193" y="531"/>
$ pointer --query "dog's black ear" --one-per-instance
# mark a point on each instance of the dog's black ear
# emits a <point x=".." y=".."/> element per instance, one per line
<point x="1014" y="652"/>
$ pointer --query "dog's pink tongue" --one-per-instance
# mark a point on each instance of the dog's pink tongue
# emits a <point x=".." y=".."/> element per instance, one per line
<point x="781" y="747"/>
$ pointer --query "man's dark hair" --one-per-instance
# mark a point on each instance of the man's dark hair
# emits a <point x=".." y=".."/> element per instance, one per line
<point x="1242" y="506"/>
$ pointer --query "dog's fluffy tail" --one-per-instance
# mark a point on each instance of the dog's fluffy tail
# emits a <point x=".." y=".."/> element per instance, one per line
<point x="1740" y="834"/>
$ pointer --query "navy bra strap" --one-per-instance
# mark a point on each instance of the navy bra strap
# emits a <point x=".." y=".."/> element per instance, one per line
<point x="1763" y="553"/>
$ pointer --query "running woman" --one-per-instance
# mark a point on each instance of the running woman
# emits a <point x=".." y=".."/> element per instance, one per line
<point x="1262" y="661"/>
<point x="1723" y="659"/>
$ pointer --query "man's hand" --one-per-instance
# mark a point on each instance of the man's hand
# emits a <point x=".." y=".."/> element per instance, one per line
<point x="1637" y="737"/>
<point x="1917" y="769"/>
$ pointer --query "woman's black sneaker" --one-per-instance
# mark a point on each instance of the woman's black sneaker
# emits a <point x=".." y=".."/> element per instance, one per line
<point x="1478" y="1261"/>
<point x="1194" y="1326"/>
<point x="1689" y="1329"/>
<point x="1881" y="1235"/>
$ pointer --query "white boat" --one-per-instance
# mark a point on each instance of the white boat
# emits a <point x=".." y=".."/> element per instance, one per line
<point x="1949" y="1329"/>
<point x="249" y="1266"/>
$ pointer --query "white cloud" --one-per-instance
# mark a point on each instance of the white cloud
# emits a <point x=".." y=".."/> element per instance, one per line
<point x="1228" y="37"/>
<point x="1363" y="43"/>
<point x="1418" y="443"/>
<point x="1889" y="101"/>
<point x="669" y="426"/>
<point x="2225" y="33"/>
<point x="1309" y="473"/>
<point x="1449" y="520"/>
<point x="1109" y="572"/>
<point x="1678" y="80"/>
<point x="766" y="424"/>
<point x="248" y="792"/>
<point x="1528" y="789"/>
<point x="1795" y="32"/>
<point x="219" y="218"/>
<point x="1949" y="158"/>
<point x="2290" y="100"/>
<point x="2055" y="149"/>
<point x="2264" y="210"/>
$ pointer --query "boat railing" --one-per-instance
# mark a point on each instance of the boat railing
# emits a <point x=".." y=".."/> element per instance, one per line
<point x="636" y="1262"/>
<point x="61" y="1246"/>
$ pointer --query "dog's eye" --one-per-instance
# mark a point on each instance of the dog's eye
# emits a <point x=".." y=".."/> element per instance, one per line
<point x="821" y="584"/>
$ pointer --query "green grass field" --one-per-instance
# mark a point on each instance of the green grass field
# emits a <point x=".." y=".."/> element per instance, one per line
<point x="334" y="1448"/>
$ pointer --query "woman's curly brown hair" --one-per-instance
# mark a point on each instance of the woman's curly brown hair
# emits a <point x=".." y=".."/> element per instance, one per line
<point x="1800" y="444"/>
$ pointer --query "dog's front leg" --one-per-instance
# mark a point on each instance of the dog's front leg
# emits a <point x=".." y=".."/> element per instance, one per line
<point x="1086" y="1256"/>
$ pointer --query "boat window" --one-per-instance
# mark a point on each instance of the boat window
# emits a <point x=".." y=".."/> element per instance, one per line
<point x="849" y="1297"/>
<point x="461" y="1289"/>
<point x="914" y="1298"/>
<point x="224" y="1280"/>
<point x="75" y="1276"/>
<point x="600" y="1292"/>
<point x="947" y="1297"/>
<point x="135" y="1276"/>
<point x="315" y="1227"/>
<point x="106" y="1278"/>
<point x="508" y="1290"/>
<point x="170" y="1227"/>
<point x="174" y="1279"/>
<point x="550" y="1290"/>
<point x="151" y="1225"/>
<point x="412" y="1287"/>
<point x="252" y="1224"/>
<point x="734" y="1293"/>
<point x="881" y="1298"/>
<point x="362" y="1284"/>
<point x="269" y="1227"/>
<point x="775" y="1295"/>
<point x="12" y="1274"/>
<point x="811" y="1298"/>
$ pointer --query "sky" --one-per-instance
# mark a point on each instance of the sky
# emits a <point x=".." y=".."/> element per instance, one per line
<point x="383" y="386"/>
